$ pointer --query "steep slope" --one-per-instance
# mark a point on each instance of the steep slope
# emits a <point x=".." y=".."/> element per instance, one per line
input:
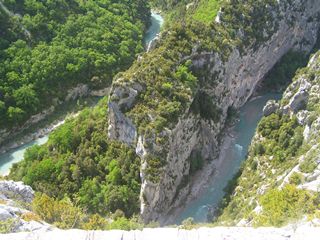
<point x="172" y="104"/>
<point x="280" y="180"/>
<point x="80" y="162"/>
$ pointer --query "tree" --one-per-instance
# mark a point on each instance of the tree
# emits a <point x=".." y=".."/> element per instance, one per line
<point x="26" y="98"/>
<point x="15" y="115"/>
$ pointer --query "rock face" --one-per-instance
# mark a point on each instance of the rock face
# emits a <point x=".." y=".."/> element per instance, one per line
<point x="303" y="96"/>
<point x="271" y="107"/>
<point x="234" y="81"/>
<point x="17" y="189"/>
<point x="218" y="233"/>
<point x="12" y="196"/>
<point x="82" y="90"/>
<point x="299" y="165"/>
<point x="120" y="127"/>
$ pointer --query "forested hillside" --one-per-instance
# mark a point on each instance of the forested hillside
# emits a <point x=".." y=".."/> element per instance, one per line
<point x="80" y="162"/>
<point x="47" y="47"/>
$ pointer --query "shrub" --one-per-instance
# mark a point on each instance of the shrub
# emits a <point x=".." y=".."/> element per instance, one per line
<point x="125" y="224"/>
<point x="61" y="213"/>
<point x="296" y="178"/>
<point x="30" y="216"/>
<point x="308" y="166"/>
<point x="281" y="206"/>
<point x="95" y="222"/>
<point x="7" y="226"/>
<point x="188" y="223"/>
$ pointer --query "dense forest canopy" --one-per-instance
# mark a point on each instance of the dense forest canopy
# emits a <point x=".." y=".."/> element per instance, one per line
<point x="46" y="47"/>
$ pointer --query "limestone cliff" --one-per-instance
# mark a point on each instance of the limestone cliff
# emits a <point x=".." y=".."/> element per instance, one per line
<point x="283" y="159"/>
<point x="227" y="83"/>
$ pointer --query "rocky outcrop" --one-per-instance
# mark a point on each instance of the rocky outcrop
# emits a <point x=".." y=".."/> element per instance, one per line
<point x="153" y="43"/>
<point x="230" y="82"/>
<point x="287" y="156"/>
<point x="271" y="107"/>
<point x="302" y="98"/>
<point x="300" y="232"/>
<point x="82" y="90"/>
<point x="14" y="197"/>
<point x="120" y="127"/>
<point x="16" y="190"/>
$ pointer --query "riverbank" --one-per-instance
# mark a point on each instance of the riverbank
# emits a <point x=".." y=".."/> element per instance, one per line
<point x="48" y="124"/>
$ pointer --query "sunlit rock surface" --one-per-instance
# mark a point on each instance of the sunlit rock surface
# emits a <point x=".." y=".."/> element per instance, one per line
<point x="218" y="233"/>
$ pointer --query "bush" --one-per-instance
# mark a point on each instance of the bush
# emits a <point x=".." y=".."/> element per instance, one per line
<point x="61" y="213"/>
<point x="7" y="226"/>
<point x="30" y="216"/>
<point x="188" y="223"/>
<point x="80" y="162"/>
<point x="296" y="178"/>
<point x="125" y="224"/>
<point x="281" y="206"/>
<point x="95" y="222"/>
<point x="308" y="166"/>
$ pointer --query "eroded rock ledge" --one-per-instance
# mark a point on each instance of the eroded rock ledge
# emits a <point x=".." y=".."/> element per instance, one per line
<point x="218" y="233"/>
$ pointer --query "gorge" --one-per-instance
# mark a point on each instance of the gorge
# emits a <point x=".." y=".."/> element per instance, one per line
<point x="228" y="83"/>
<point x="209" y="128"/>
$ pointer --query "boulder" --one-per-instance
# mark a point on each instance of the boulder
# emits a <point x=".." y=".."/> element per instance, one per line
<point x="16" y="190"/>
<point x="4" y="214"/>
<point x="271" y="107"/>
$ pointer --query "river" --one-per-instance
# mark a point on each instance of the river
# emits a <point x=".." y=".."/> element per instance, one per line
<point x="16" y="155"/>
<point x="243" y="131"/>
<point x="156" y="23"/>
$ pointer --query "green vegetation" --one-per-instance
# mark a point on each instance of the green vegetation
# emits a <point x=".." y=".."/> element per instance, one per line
<point x="206" y="11"/>
<point x="7" y="226"/>
<point x="80" y="162"/>
<point x="62" y="214"/>
<point x="283" y="137"/>
<point x="203" y="11"/>
<point x="309" y="162"/>
<point x="284" y="71"/>
<point x="282" y="206"/>
<point x="65" y="214"/>
<point x="79" y="168"/>
<point x="272" y="153"/>
<point x="54" y="45"/>
<point x="296" y="178"/>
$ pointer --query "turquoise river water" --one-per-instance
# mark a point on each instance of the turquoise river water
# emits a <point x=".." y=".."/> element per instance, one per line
<point x="244" y="129"/>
